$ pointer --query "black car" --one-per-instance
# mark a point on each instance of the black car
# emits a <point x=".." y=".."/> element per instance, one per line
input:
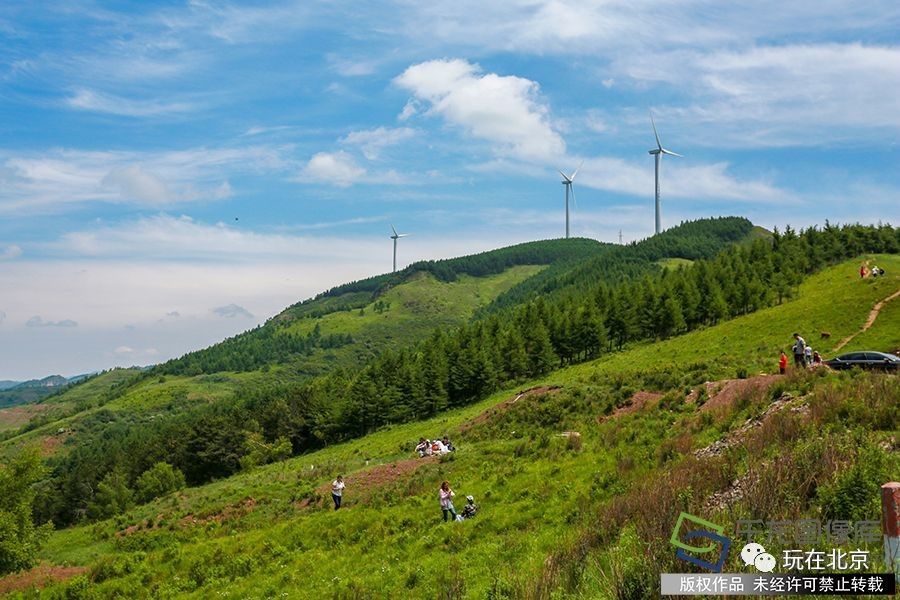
<point x="865" y="360"/>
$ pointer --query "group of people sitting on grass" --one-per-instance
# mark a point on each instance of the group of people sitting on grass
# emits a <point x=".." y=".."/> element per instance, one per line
<point x="437" y="447"/>
<point x="445" y="494"/>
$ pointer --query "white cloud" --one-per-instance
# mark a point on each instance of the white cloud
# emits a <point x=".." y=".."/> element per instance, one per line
<point x="689" y="181"/>
<point x="84" y="99"/>
<point x="133" y="182"/>
<point x="372" y="141"/>
<point x="37" y="321"/>
<point x="10" y="252"/>
<point x="410" y="109"/>
<point x="337" y="168"/>
<point x="232" y="310"/>
<point x="506" y="111"/>
<point x="781" y="95"/>
<point x="123" y="350"/>
<point x="56" y="180"/>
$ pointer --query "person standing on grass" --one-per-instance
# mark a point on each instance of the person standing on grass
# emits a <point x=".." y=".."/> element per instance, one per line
<point x="782" y="363"/>
<point x="799" y="351"/>
<point x="337" y="490"/>
<point x="446" y="496"/>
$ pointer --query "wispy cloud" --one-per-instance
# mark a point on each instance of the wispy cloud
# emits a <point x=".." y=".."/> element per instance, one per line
<point x="10" y="252"/>
<point x="781" y="95"/>
<point x="372" y="142"/>
<point x="56" y="180"/>
<point x="84" y="99"/>
<point x="690" y="181"/>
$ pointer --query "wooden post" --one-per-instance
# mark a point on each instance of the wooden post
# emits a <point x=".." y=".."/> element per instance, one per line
<point x="890" y="524"/>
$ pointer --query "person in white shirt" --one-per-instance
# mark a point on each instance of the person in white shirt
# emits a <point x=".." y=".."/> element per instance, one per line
<point x="337" y="490"/>
<point x="446" y="496"/>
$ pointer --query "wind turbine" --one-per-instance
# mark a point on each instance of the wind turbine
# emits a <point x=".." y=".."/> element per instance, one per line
<point x="568" y="181"/>
<point x="396" y="237"/>
<point x="657" y="155"/>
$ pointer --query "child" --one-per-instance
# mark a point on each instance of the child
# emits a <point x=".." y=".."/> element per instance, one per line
<point x="782" y="363"/>
<point x="423" y="446"/>
<point x="469" y="509"/>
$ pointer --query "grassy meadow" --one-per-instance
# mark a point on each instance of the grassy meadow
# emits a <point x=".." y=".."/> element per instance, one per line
<point x="561" y="517"/>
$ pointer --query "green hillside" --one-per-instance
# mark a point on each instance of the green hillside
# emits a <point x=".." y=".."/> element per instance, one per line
<point x="404" y="314"/>
<point x="566" y="516"/>
<point x="349" y="324"/>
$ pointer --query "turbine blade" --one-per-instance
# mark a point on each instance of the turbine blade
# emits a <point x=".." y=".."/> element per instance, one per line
<point x="658" y="143"/>
<point x="575" y="172"/>
<point x="394" y="230"/>
<point x="664" y="151"/>
<point x="403" y="235"/>
<point x="566" y="178"/>
<point x="574" y="202"/>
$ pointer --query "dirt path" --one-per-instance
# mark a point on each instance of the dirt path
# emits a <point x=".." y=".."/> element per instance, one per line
<point x="37" y="577"/>
<point x="636" y="403"/>
<point x="362" y="483"/>
<point x="719" y="394"/>
<point x="873" y="314"/>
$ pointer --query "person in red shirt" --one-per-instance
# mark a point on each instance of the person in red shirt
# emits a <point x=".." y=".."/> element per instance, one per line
<point x="782" y="363"/>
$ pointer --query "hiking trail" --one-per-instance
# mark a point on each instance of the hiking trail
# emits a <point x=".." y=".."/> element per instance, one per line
<point x="873" y="314"/>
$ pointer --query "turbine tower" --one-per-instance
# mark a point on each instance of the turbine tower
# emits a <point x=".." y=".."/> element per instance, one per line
<point x="396" y="237"/>
<point x="657" y="155"/>
<point x="568" y="181"/>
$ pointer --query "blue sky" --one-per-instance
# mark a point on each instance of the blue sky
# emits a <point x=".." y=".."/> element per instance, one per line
<point x="172" y="173"/>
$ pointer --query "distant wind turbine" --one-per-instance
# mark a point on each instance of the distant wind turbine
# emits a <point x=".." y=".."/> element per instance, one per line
<point x="568" y="181"/>
<point x="657" y="154"/>
<point x="396" y="237"/>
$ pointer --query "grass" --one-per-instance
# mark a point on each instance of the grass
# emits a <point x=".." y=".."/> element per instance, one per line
<point x="420" y="298"/>
<point x="674" y="263"/>
<point x="543" y="498"/>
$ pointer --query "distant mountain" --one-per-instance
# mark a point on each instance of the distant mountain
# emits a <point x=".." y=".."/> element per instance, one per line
<point x="50" y="381"/>
<point x="6" y="384"/>
<point x="33" y="390"/>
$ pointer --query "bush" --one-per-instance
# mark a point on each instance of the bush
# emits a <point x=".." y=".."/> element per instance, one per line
<point x="855" y="493"/>
<point x="19" y="538"/>
<point x="159" y="480"/>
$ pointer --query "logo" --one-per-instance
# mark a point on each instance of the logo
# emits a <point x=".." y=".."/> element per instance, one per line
<point x="698" y="530"/>
<point x="756" y="555"/>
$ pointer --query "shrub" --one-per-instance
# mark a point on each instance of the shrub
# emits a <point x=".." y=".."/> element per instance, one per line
<point x="113" y="496"/>
<point x="159" y="480"/>
<point x="19" y="538"/>
<point x="854" y="494"/>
